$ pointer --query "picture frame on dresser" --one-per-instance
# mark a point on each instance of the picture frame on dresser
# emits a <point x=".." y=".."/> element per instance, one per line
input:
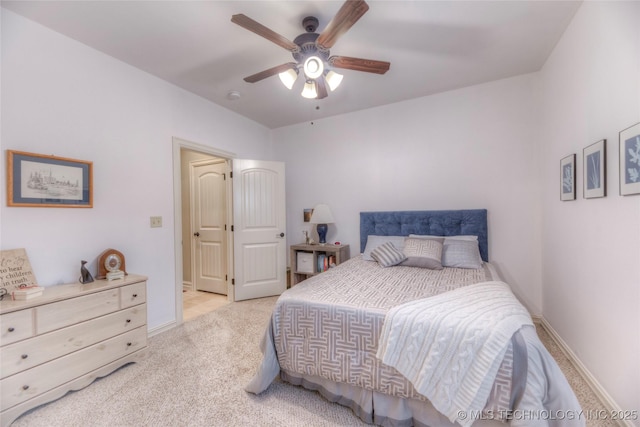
<point x="594" y="170"/>
<point x="38" y="180"/>
<point x="630" y="160"/>
<point x="568" y="178"/>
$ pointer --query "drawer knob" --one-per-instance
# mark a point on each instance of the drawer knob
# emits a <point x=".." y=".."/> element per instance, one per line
<point x="135" y="295"/>
<point x="24" y="356"/>
<point x="129" y="344"/>
<point x="25" y="387"/>
<point x="11" y="329"/>
<point x="128" y="320"/>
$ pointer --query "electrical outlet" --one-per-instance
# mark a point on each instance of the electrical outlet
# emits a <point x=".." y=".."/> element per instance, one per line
<point x="156" y="221"/>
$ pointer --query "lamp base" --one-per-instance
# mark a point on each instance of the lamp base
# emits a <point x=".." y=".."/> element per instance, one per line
<point x="322" y="233"/>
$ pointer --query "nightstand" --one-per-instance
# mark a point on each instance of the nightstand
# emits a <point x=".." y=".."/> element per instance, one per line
<point x="309" y="260"/>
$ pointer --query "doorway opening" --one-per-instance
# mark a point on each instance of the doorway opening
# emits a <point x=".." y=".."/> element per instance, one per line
<point x="203" y="209"/>
<point x="255" y="241"/>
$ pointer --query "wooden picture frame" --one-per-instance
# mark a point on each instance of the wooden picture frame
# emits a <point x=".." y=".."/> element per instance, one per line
<point x="630" y="160"/>
<point x="568" y="178"/>
<point x="37" y="180"/>
<point x="594" y="170"/>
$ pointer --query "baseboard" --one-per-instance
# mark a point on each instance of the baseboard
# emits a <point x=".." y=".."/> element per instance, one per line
<point x="187" y="286"/>
<point x="604" y="397"/>
<point x="162" y="328"/>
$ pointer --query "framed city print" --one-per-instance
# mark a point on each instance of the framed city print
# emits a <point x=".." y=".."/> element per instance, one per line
<point x="36" y="180"/>
<point x="630" y="160"/>
<point x="594" y="165"/>
<point x="568" y="178"/>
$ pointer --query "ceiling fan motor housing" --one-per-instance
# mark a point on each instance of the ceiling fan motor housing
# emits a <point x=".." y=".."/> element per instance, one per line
<point x="308" y="47"/>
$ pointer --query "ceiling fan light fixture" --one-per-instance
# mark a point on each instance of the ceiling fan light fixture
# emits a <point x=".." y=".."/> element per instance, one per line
<point x="333" y="80"/>
<point x="288" y="78"/>
<point x="313" y="67"/>
<point x="310" y="90"/>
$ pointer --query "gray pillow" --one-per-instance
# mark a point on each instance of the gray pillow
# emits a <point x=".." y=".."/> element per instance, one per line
<point x="374" y="241"/>
<point x="459" y="237"/>
<point x="423" y="253"/>
<point x="461" y="254"/>
<point x="387" y="255"/>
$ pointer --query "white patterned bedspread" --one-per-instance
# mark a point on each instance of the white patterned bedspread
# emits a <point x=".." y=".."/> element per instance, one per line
<point x="329" y="325"/>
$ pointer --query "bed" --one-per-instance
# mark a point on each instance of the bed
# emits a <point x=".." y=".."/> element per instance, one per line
<point x="417" y="344"/>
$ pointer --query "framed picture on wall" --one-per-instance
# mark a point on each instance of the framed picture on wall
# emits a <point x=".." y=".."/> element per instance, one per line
<point x="568" y="178"/>
<point x="594" y="165"/>
<point x="630" y="160"/>
<point x="37" y="180"/>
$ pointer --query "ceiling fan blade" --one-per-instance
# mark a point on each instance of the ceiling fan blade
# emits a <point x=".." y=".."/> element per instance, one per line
<point x="256" y="27"/>
<point x="322" y="88"/>
<point x="359" y="64"/>
<point x="349" y="13"/>
<point x="270" y="72"/>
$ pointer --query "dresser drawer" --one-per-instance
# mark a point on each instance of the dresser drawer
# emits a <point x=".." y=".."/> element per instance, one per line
<point x="133" y="294"/>
<point x="28" y="384"/>
<point x="16" y="326"/>
<point x="50" y="317"/>
<point x="23" y="355"/>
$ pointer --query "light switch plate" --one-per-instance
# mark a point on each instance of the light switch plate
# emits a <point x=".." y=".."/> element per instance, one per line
<point x="156" y="221"/>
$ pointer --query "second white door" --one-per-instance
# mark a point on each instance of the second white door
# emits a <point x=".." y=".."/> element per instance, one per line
<point x="209" y="207"/>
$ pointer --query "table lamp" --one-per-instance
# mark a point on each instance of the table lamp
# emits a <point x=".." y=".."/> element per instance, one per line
<point x="322" y="216"/>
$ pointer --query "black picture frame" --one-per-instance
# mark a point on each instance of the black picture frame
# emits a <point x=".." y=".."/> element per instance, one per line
<point x="568" y="178"/>
<point x="594" y="173"/>
<point x="630" y="160"/>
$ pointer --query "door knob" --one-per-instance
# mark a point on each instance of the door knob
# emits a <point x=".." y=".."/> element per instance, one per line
<point x="197" y="234"/>
<point x="281" y="234"/>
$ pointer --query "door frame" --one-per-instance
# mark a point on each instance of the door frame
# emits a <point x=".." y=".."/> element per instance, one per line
<point x="178" y="144"/>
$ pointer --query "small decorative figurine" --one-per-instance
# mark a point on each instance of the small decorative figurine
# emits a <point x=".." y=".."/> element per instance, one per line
<point x="85" y="276"/>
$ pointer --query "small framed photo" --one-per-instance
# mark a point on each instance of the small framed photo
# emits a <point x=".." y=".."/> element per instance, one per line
<point x="307" y="214"/>
<point x="630" y="160"/>
<point x="568" y="178"/>
<point x="36" y="180"/>
<point x="594" y="165"/>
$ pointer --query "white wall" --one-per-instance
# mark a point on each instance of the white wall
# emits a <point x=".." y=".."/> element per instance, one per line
<point x="470" y="148"/>
<point x="591" y="248"/>
<point x="62" y="98"/>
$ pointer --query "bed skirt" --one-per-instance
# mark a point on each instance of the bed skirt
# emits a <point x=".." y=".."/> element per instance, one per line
<point x="378" y="408"/>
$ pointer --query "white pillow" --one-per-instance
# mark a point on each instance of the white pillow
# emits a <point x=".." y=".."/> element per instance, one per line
<point x="374" y="241"/>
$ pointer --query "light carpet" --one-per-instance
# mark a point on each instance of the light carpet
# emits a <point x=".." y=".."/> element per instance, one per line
<point x="194" y="375"/>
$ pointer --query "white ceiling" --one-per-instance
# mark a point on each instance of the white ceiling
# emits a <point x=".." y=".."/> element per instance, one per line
<point x="433" y="46"/>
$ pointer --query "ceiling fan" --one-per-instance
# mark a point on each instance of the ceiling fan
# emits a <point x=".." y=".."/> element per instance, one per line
<point x="311" y="51"/>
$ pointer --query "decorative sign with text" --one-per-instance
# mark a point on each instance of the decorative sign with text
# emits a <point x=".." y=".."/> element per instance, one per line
<point x="15" y="270"/>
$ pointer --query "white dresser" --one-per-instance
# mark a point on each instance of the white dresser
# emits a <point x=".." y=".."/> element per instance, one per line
<point x="66" y="338"/>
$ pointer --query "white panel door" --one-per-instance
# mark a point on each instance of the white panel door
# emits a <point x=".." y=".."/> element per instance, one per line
<point x="259" y="226"/>
<point x="209" y="220"/>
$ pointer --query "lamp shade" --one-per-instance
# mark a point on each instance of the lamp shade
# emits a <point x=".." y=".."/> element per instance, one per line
<point x="288" y="78"/>
<point x="321" y="215"/>
<point x="333" y="80"/>
<point x="309" y="90"/>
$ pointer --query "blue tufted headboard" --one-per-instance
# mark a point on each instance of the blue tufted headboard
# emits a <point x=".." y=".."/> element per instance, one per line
<point x="437" y="223"/>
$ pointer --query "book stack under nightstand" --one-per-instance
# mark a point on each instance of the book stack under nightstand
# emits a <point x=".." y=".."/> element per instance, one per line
<point x="309" y="260"/>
